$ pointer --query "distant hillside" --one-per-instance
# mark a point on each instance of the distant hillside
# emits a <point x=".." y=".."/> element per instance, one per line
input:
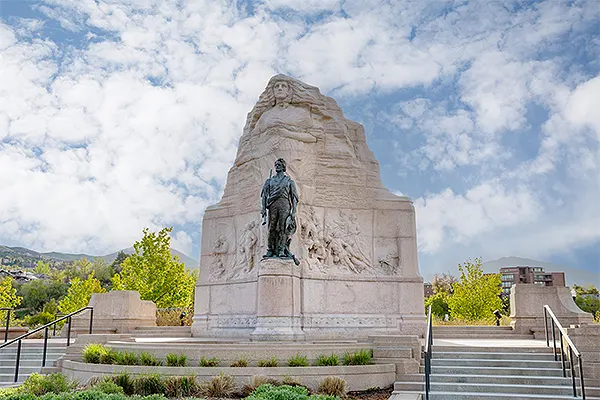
<point x="26" y="258"/>
<point x="572" y="275"/>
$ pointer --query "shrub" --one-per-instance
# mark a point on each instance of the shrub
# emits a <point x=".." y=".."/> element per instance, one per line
<point x="271" y="362"/>
<point x="125" y="381"/>
<point x="331" y="360"/>
<point x="298" y="361"/>
<point x="362" y="357"/>
<point x="108" y="357"/>
<point x="181" y="386"/>
<point x="291" y="381"/>
<point x="283" y="392"/>
<point x="176" y="360"/>
<point x="146" y="385"/>
<point x="108" y="387"/>
<point x="332" y="386"/>
<point x="149" y="360"/>
<point x="211" y="362"/>
<point x="242" y="362"/>
<point x="125" y="358"/>
<point x="257" y="381"/>
<point x="219" y="386"/>
<point x="38" y="385"/>
<point x="39" y="319"/>
<point x="92" y="353"/>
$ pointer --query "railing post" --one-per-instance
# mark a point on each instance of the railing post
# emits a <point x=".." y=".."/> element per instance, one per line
<point x="572" y="371"/>
<point x="45" y="347"/>
<point x="17" y="361"/>
<point x="554" y="342"/>
<point x="91" y="319"/>
<point x="562" y="354"/>
<point x="54" y="329"/>
<point x="546" y="327"/>
<point x="7" y="326"/>
<point x="581" y="378"/>
<point x="69" y="331"/>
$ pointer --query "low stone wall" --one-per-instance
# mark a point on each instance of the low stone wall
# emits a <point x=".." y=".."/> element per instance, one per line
<point x="14" y="332"/>
<point x="358" y="377"/>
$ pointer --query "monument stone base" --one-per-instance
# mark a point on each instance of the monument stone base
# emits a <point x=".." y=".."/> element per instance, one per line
<point x="278" y="314"/>
<point x="527" y="308"/>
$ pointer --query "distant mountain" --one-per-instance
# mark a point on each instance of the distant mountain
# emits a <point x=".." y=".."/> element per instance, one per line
<point x="573" y="276"/>
<point x="27" y="258"/>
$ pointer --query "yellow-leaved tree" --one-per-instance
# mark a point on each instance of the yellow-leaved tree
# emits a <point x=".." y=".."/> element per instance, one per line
<point x="8" y="296"/>
<point x="79" y="293"/>
<point x="155" y="273"/>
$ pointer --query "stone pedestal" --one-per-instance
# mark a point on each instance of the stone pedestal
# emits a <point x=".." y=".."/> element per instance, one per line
<point x="118" y="311"/>
<point x="527" y="308"/>
<point x="587" y="340"/>
<point x="278" y="315"/>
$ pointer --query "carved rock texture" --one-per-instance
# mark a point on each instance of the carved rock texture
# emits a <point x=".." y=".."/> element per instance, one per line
<point x="350" y="227"/>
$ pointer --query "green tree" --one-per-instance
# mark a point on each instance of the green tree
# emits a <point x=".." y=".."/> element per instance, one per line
<point x="116" y="264"/>
<point x="79" y="294"/>
<point x="8" y="296"/>
<point x="475" y="295"/>
<point x="42" y="268"/>
<point x="439" y="304"/>
<point x="37" y="293"/>
<point x="155" y="273"/>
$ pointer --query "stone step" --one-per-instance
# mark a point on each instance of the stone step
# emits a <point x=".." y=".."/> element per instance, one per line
<point x="483" y="335"/>
<point x="490" y="349"/>
<point x="26" y="363"/>
<point x="503" y="379"/>
<point x="493" y="363"/>
<point x="520" y="371"/>
<point x="438" y="355"/>
<point x="164" y="328"/>
<point x="483" y="328"/>
<point x="437" y="395"/>
<point x="460" y="387"/>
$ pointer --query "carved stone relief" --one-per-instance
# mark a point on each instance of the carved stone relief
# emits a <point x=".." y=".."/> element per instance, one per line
<point x="220" y="257"/>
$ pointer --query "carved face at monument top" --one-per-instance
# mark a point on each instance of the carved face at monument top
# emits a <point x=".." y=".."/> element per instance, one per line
<point x="281" y="91"/>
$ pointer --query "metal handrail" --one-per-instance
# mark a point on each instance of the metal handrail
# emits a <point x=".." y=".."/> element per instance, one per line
<point x="8" y="311"/>
<point x="427" y="353"/>
<point x="46" y="328"/>
<point x="563" y="337"/>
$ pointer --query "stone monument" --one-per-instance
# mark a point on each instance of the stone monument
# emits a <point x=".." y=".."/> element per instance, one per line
<point x="355" y="241"/>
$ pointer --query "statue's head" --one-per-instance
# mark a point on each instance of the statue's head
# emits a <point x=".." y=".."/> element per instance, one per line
<point x="282" y="92"/>
<point x="280" y="165"/>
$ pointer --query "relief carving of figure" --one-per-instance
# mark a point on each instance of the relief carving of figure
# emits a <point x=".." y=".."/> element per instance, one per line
<point x="279" y="198"/>
<point x="248" y="245"/>
<point x="220" y="256"/>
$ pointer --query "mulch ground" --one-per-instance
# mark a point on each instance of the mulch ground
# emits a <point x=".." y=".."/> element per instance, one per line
<point x="375" y="394"/>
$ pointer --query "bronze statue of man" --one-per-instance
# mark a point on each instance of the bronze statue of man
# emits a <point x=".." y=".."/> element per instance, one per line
<point x="280" y="198"/>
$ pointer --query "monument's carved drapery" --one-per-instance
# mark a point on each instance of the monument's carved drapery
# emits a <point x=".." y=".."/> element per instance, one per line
<point x="355" y="240"/>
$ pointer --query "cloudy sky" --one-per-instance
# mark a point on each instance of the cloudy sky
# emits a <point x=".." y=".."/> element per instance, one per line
<point x="121" y="114"/>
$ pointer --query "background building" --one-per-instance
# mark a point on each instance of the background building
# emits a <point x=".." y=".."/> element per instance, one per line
<point x="526" y="274"/>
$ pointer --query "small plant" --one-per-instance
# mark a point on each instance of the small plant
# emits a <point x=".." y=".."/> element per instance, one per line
<point x="242" y="362"/>
<point x="271" y="362"/>
<point x="125" y="381"/>
<point x="108" y="387"/>
<point x="257" y="381"/>
<point x="219" y="386"/>
<point x="332" y="386"/>
<point x="291" y="381"/>
<point x="298" y="361"/>
<point x="146" y="385"/>
<point x="128" y="358"/>
<point x="92" y="353"/>
<point x="38" y="385"/>
<point x="211" y="362"/>
<point x="362" y="357"/>
<point x="181" y="386"/>
<point x="149" y="360"/>
<point x="109" y="357"/>
<point x="331" y="360"/>
<point x="268" y="391"/>
<point x="176" y="360"/>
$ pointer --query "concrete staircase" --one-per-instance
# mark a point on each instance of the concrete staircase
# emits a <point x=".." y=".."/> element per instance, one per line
<point x="492" y="373"/>
<point x="163" y="331"/>
<point x="31" y="359"/>
<point x="478" y="332"/>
